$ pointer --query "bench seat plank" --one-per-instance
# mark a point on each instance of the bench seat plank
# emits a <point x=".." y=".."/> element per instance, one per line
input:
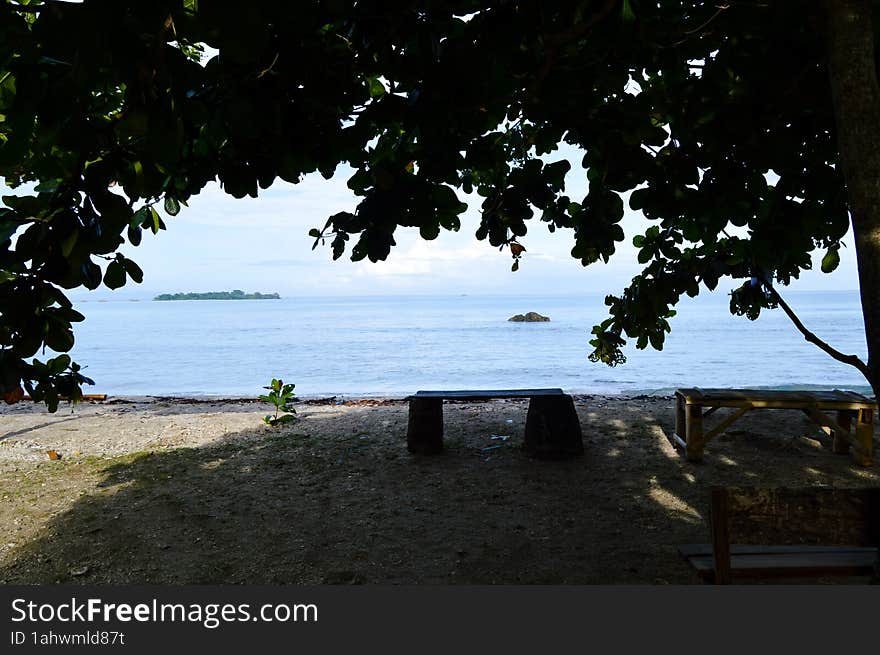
<point x="698" y="550"/>
<point x="486" y="394"/>
<point x="838" y="562"/>
<point x="773" y="399"/>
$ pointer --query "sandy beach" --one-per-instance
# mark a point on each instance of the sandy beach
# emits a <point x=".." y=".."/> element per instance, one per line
<point x="177" y="491"/>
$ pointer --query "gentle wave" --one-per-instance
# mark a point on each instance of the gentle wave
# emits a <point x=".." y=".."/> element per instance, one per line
<point x="393" y="346"/>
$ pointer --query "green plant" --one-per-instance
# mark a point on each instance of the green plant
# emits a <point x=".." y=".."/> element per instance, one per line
<point x="280" y="395"/>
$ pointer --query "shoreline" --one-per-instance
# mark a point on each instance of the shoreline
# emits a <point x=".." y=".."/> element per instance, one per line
<point x="342" y="398"/>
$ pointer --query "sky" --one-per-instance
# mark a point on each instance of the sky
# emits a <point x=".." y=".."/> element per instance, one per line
<point x="262" y="244"/>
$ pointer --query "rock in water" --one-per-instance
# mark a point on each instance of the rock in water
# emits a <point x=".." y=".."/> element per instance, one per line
<point x="531" y="317"/>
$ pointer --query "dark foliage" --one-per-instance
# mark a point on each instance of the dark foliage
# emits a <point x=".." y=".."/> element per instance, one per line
<point x="706" y="118"/>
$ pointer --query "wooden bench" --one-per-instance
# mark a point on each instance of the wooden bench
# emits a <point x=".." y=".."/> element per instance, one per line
<point x="552" y="427"/>
<point x="805" y="533"/>
<point x="852" y="430"/>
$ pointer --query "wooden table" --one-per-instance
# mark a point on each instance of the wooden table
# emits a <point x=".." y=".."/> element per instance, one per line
<point x="553" y="430"/>
<point x="852" y="430"/>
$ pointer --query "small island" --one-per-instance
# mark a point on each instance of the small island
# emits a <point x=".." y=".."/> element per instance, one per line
<point x="531" y="317"/>
<point x="237" y="294"/>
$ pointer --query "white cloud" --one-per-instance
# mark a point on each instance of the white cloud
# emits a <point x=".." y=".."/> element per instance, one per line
<point x="262" y="244"/>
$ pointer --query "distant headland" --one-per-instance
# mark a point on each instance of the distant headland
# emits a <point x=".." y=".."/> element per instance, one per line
<point x="238" y="294"/>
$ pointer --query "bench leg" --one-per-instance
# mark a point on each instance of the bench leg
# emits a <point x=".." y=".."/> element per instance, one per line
<point x="864" y="453"/>
<point x="840" y="442"/>
<point x="424" y="434"/>
<point x="680" y="418"/>
<point x="553" y="430"/>
<point x="694" y="433"/>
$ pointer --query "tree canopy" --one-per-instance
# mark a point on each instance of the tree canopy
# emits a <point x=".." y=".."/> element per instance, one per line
<point x="715" y="121"/>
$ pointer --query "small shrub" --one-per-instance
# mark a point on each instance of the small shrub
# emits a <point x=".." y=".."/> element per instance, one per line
<point x="280" y="395"/>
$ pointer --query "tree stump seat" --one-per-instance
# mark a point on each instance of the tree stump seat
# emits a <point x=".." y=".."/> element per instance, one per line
<point x="553" y="430"/>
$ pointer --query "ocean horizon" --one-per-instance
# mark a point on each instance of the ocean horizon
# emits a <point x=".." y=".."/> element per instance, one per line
<point x="392" y="346"/>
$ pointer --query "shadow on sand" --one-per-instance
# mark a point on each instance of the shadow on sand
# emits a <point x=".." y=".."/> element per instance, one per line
<point x="292" y="507"/>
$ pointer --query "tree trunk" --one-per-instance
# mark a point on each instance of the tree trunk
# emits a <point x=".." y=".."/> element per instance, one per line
<point x="856" y="97"/>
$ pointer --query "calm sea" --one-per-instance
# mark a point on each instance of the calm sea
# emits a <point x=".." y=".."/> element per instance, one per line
<point x="396" y="345"/>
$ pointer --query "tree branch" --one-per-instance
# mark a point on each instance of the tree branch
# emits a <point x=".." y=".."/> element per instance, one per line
<point x="578" y="30"/>
<point x="852" y="360"/>
<point x="558" y="40"/>
<point x="713" y="17"/>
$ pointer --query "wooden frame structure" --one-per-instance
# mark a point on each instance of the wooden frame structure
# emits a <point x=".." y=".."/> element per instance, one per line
<point x="553" y="430"/>
<point x="852" y="430"/>
<point x="813" y="532"/>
